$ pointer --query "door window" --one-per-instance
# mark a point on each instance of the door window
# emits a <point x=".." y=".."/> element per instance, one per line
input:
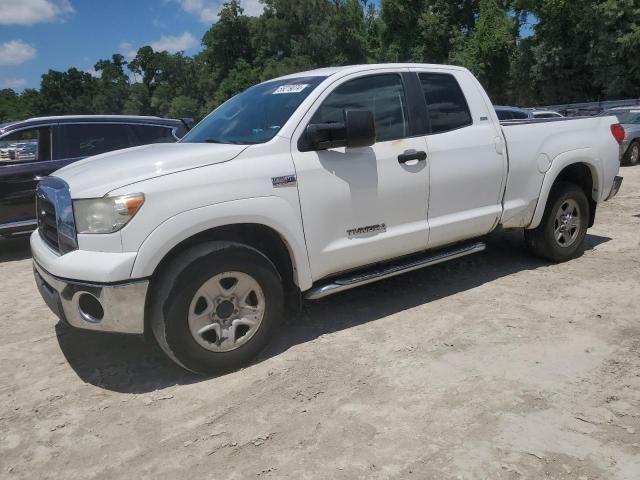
<point x="26" y="146"/>
<point x="381" y="94"/>
<point x="84" y="140"/>
<point x="448" y="109"/>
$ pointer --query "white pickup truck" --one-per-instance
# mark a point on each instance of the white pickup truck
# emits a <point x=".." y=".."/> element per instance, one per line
<point x="301" y="187"/>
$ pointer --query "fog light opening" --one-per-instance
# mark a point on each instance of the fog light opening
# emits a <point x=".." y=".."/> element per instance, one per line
<point x="90" y="308"/>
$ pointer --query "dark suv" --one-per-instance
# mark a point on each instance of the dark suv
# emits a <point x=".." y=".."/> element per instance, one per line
<point x="33" y="148"/>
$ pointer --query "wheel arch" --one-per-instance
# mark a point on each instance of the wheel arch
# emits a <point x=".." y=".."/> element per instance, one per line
<point x="579" y="167"/>
<point x="272" y="228"/>
<point x="259" y="236"/>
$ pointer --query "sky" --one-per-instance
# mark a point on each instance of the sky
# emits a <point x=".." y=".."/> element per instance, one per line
<point x="38" y="35"/>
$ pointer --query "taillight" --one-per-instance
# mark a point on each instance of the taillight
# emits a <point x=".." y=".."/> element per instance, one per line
<point x="618" y="132"/>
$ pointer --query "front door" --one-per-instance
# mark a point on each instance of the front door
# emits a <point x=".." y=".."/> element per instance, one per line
<point x="363" y="205"/>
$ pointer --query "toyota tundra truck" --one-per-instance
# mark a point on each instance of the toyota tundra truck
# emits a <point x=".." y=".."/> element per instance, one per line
<point x="302" y="187"/>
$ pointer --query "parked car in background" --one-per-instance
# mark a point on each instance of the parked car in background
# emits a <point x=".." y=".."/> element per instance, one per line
<point x="512" y="113"/>
<point x="546" y="114"/>
<point x="26" y="152"/>
<point x="34" y="148"/>
<point x="629" y="118"/>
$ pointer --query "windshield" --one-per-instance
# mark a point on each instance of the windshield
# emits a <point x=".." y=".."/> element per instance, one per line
<point x="255" y="115"/>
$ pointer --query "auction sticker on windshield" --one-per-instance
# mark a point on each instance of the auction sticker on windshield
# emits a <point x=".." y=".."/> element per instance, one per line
<point x="297" y="88"/>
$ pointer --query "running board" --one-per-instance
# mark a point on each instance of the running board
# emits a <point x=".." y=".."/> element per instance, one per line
<point x="381" y="272"/>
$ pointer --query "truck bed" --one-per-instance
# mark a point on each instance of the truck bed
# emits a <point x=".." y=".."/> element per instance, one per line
<point x="534" y="145"/>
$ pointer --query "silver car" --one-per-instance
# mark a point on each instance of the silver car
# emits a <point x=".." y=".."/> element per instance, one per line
<point x="629" y="118"/>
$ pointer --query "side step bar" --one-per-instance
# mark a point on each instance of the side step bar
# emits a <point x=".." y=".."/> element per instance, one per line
<point x="357" y="279"/>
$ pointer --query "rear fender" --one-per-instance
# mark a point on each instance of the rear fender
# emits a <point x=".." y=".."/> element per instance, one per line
<point x="585" y="156"/>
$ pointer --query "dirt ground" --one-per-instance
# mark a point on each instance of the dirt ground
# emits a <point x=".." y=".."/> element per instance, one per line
<point x="497" y="366"/>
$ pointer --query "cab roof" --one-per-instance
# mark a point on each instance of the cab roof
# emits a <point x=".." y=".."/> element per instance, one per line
<point x="331" y="71"/>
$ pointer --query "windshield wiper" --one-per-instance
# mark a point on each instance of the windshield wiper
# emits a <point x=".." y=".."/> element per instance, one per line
<point x="214" y="140"/>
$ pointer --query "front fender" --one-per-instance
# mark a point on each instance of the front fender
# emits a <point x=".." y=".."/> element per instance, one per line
<point x="586" y="156"/>
<point x="272" y="211"/>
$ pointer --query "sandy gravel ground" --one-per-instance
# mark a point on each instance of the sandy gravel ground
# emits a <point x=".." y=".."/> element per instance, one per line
<point x="498" y="366"/>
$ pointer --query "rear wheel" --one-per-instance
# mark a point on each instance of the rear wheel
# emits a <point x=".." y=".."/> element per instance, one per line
<point x="216" y="306"/>
<point x="564" y="224"/>
<point x="632" y="156"/>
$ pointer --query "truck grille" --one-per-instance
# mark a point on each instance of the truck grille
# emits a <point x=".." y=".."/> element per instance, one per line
<point x="56" y="224"/>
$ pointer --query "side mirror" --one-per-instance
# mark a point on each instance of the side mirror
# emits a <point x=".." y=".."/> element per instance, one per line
<point x="361" y="128"/>
<point x="357" y="130"/>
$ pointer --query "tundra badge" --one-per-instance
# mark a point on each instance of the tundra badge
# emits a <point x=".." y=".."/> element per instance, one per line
<point x="284" y="181"/>
<point x="361" y="231"/>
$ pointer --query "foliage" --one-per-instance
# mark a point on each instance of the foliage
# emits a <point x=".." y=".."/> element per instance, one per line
<point x="576" y="50"/>
<point x="488" y="51"/>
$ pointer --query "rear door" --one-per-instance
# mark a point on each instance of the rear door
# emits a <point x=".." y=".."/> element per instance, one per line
<point x="363" y="205"/>
<point x="466" y="162"/>
<point x="25" y="155"/>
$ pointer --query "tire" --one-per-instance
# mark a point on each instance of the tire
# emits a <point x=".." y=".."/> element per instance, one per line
<point x="196" y="290"/>
<point x="543" y="242"/>
<point x="632" y="155"/>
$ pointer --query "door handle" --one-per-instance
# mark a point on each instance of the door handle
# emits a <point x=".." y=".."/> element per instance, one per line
<point x="408" y="156"/>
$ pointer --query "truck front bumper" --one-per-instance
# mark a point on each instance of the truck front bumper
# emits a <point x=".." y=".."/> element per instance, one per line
<point x="117" y="308"/>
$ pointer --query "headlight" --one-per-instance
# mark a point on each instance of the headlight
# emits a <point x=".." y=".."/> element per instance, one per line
<point x="106" y="215"/>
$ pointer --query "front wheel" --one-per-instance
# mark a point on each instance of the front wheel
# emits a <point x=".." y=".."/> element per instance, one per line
<point x="564" y="225"/>
<point x="215" y="306"/>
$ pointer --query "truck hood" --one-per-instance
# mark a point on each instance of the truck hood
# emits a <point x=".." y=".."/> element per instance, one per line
<point x="96" y="176"/>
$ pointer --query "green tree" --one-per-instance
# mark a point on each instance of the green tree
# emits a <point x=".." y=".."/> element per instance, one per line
<point x="14" y="106"/>
<point x="183" y="106"/>
<point x="162" y="76"/>
<point x="349" y="28"/>
<point x="614" y="54"/>
<point x="426" y="30"/>
<point x="229" y="40"/>
<point x="560" y="48"/>
<point x="373" y="28"/>
<point x="400" y="34"/>
<point x="489" y="50"/>
<point x="113" y="85"/>
<point x="64" y="93"/>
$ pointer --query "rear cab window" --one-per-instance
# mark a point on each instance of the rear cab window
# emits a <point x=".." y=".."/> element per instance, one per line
<point x="447" y="106"/>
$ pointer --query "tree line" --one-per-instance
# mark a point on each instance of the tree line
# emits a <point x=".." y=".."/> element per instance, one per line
<point x="524" y="52"/>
